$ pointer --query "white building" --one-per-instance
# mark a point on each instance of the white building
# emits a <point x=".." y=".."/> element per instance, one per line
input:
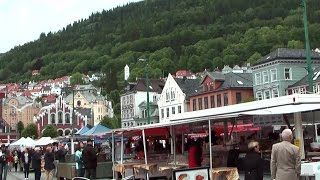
<point x="126" y="72"/>
<point x="134" y="103"/>
<point x="173" y="99"/>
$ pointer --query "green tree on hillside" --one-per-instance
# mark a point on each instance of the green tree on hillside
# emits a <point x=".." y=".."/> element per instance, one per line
<point x="76" y="78"/>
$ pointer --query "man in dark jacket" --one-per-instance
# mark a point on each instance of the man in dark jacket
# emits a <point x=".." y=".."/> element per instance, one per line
<point x="253" y="163"/>
<point x="89" y="157"/>
<point x="36" y="163"/>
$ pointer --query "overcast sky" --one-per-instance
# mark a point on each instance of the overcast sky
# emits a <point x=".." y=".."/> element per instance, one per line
<point x="22" y="21"/>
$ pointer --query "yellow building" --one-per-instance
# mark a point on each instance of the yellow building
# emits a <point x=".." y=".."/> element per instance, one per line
<point x="19" y="108"/>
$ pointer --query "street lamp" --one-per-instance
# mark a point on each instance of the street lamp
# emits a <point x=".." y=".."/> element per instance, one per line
<point x="147" y="86"/>
<point x="306" y="34"/>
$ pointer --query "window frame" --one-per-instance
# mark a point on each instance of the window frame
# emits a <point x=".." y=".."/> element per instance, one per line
<point x="265" y="77"/>
<point x="264" y="94"/>
<point x="212" y="101"/>
<point x="256" y="76"/>
<point x="273" y="72"/>
<point x="179" y="109"/>
<point x="206" y="102"/>
<point x="219" y="102"/>
<point x="277" y="92"/>
<point x="259" y="96"/>
<point x="200" y="103"/>
<point x="290" y="73"/>
<point x="225" y="99"/>
<point x="194" y="104"/>
<point x="238" y="101"/>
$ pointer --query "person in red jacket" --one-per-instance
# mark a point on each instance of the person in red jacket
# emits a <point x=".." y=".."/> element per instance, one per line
<point x="10" y="162"/>
<point x="195" y="154"/>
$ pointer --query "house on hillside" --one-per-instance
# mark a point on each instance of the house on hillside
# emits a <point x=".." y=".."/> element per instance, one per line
<point x="281" y="68"/>
<point x="219" y="89"/>
<point x="174" y="96"/>
<point x="134" y="103"/>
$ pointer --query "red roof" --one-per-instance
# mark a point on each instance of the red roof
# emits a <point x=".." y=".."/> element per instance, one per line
<point x="51" y="99"/>
<point x="183" y="73"/>
<point x="26" y="93"/>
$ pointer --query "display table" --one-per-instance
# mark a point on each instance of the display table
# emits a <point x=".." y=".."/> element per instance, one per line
<point x="148" y="167"/>
<point x="230" y="173"/>
<point x="121" y="168"/>
<point x="171" y="167"/>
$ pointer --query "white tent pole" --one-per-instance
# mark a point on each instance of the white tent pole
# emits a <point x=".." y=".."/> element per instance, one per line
<point x="174" y="145"/>
<point x="145" y="150"/>
<point x="210" y="146"/>
<point x="112" y="149"/>
<point x="121" y="151"/>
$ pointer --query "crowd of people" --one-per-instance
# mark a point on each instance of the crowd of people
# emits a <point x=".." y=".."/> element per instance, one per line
<point x="46" y="158"/>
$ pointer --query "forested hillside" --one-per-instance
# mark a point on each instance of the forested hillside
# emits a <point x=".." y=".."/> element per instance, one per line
<point x="170" y="34"/>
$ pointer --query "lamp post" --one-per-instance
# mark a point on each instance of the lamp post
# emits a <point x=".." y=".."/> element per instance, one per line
<point x="308" y="53"/>
<point x="147" y="86"/>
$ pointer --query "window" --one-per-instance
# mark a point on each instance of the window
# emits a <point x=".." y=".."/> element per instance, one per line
<point x="287" y="73"/>
<point x="238" y="97"/>
<point x="206" y="103"/>
<point x="212" y="101"/>
<point x="173" y="95"/>
<point x="67" y="118"/>
<point x="162" y="113"/>
<point x="219" y="100"/>
<point x="302" y="90"/>
<point x="131" y="99"/>
<point x="199" y="103"/>
<point x="275" y="93"/>
<point x="267" y="94"/>
<point x="316" y="88"/>
<point x="259" y="96"/>
<point x="167" y="112"/>
<point x="154" y="98"/>
<point x="225" y="99"/>
<point x="194" y="104"/>
<point x="265" y="77"/>
<point x="173" y="110"/>
<point x="53" y="118"/>
<point x="273" y="75"/>
<point x="179" y="109"/>
<point x="167" y="96"/>
<point x="258" y="78"/>
<point x="78" y="103"/>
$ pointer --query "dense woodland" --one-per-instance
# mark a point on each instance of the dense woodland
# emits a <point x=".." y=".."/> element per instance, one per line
<point x="170" y="34"/>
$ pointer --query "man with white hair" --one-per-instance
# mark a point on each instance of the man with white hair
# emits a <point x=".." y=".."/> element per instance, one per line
<point x="285" y="159"/>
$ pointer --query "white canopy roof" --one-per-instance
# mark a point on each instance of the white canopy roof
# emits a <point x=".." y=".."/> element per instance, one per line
<point x="281" y="105"/>
<point x="286" y="109"/>
<point x="26" y="142"/>
<point x="44" y="141"/>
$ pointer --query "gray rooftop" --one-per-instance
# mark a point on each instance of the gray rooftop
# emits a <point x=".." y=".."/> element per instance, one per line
<point x="85" y="111"/>
<point x="189" y="86"/>
<point x="90" y="97"/>
<point x="305" y="81"/>
<point x="285" y="53"/>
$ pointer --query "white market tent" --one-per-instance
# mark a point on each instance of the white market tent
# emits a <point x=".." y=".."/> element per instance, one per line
<point x="44" y="141"/>
<point x="18" y="142"/>
<point x="24" y="142"/>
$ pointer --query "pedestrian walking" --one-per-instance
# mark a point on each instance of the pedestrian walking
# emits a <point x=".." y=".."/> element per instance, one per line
<point x="89" y="156"/>
<point x="285" y="159"/>
<point x="3" y="163"/>
<point x="79" y="161"/>
<point x="36" y="163"/>
<point x="10" y="162"/>
<point x="26" y="161"/>
<point x="49" y="164"/>
<point x="15" y="161"/>
<point x="253" y="163"/>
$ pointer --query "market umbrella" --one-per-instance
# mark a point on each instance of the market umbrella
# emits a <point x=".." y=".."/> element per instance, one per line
<point x="96" y="130"/>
